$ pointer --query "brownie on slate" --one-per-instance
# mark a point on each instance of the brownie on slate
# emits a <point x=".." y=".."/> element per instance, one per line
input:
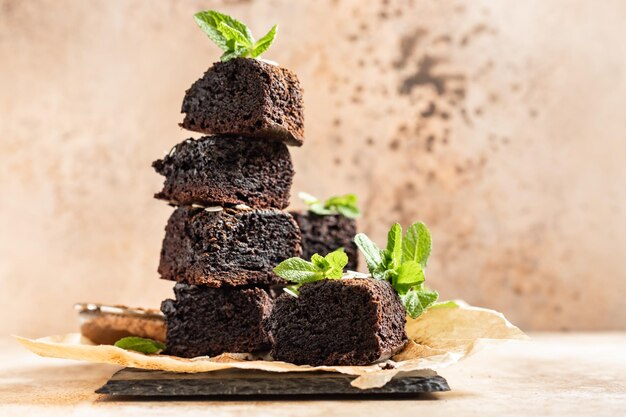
<point x="324" y="234"/>
<point x="227" y="246"/>
<point x="246" y="97"/>
<point x="354" y="321"/>
<point x="218" y="170"/>
<point x="209" y="321"/>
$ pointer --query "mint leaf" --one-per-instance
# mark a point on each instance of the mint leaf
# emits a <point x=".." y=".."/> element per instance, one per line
<point x="408" y="275"/>
<point x="318" y="208"/>
<point x="235" y="24"/>
<point x="394" y="246"/>
<point x="139" y="344"/>
<point x="265" y="42"/>
<point x="417" y="301"/>
<point x="402" y="263"/>
<point x="417" y="244"/>
<point x="298" y="270"/>
<point x="349" y="212"/>
<point x="320" y="262"/>
<point x="446" y="304"/>
<point x="232" y="36"/>
<point x="370" y="251"/>
<point x="235" y="38"/>
<point x="208" y="22"/>
<point x="342" y="200"/>
<point x="346" y="205"/>
<point x="227" y="56"/>
<point x="337" y="261"/>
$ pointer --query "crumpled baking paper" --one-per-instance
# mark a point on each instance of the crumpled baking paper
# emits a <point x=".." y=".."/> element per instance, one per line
<point x="438" y="338"/>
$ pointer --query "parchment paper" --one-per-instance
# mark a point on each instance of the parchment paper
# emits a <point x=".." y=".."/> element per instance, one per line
<point x="438" y="338"/>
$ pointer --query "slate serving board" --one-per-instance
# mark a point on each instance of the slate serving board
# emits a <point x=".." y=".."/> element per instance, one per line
<point x="242" y="382"/>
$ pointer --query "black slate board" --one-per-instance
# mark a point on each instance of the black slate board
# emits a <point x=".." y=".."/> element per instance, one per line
<point x="240" y="382"/>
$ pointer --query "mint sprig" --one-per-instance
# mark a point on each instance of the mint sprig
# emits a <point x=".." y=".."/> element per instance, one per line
<point x="402" y="263"/>
<point x="232" y="36"/>
<point x="140" y="344"/>
<point x="345" y="205"/>
<point x="300" y="271"/>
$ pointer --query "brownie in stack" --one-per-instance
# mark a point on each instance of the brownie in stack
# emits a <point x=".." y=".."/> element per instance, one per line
<point x="323" y="234"/>
<point x="227" y="231"/>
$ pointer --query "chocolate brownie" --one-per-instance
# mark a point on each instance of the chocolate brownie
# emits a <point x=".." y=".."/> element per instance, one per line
<point x="227" y="247"/>
<point x="354" y="321"/>
<point x="324" y="234"/>
<point x="219" y="170"/>
<point x="209" y="321"/>
<point x="246" y="97"/>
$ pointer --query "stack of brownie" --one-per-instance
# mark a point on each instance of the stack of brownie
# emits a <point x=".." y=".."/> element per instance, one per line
<point x="228" y="230"/>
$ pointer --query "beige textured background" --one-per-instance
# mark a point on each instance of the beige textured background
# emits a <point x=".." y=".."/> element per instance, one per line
<point x="502" y="124"/>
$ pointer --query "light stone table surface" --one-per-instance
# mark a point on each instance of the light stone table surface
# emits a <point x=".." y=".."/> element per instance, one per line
<point x="568" y="374"/>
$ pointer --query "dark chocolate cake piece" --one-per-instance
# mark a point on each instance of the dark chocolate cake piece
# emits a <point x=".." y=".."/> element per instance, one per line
<point x="228" y="246"/>
<point x="246" y="97"/>
<point x="209" y="321"/>
<point x="218" y="170"/>
<point x="324" y="234"/>
<point x="355" y="321"/>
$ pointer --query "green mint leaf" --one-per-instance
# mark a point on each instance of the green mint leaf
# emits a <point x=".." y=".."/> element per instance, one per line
<point x="417" y="301"/>
<point x="337" y="261"/>
<point x="345" y="205"/>
<point x="298" y="270"/>
<point x="333" y="273"/>
<point x="232" y="36"/>
<point x="342" y="200"/>
<point x="417" y="244"/>
<point x="208" y="22"/>
<point x="349" y="212"/>
<point x="318" y="208"/>
<point x="265" y="42"/>
<point x="408" y="275"/>
<point x="139" y="344"/>
<point x="446" y="304"/>
<point x="394" y="246"/>
<point x="402" y="263"/>
<point x="301" y="272"/>
<point x="371" y="252"/>
<point x="337" y="258"/>
<point x="320" y="262"/>
<point x="227" y="56"/>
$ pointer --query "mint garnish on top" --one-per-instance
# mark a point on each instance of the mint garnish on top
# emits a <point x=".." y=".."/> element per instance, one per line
<point x="232" y="36"/>
<point x="140" y="344"/>
<point x="300" y="271"/>
<point x="402" y="263"/>
<point x="341" y="204"/>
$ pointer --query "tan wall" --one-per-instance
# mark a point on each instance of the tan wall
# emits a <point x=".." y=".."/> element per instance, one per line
<point x="501" y="124"/>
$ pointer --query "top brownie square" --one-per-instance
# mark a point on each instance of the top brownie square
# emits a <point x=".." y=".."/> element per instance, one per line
<point x="246" y="97"/>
